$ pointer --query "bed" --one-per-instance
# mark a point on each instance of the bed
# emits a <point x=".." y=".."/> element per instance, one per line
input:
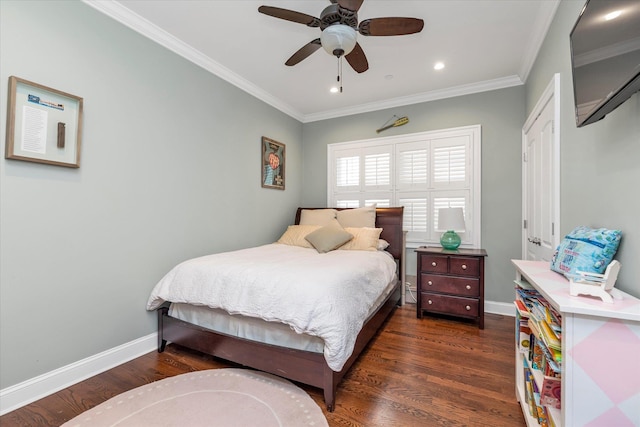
<point x="299" y="348"/>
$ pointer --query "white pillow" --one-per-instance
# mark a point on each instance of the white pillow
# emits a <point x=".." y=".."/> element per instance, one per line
<point x="320" y="217"/>
<point x="359" y="217"/>
<point x="382" y="244"/>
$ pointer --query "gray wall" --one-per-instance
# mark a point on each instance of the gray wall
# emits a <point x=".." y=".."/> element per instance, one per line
<point x="600" y="172"/>
<point x="170" y="170"/>
<point x="501" y="114"/>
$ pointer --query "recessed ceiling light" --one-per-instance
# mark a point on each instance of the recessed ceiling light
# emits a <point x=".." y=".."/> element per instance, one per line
<point x="438" y="66"/>
<point x="334" y="90"/>
<point x="612" y="15"/>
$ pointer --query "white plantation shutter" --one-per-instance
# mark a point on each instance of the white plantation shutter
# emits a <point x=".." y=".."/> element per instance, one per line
<point x="377" y="170"/>
<point x="450" y="162"/>
<point x="415" y="217"/>
<point x="422" y="172"/>
<point x="361" y="176"/>
<point x="381" y="203"/>
<point x="348" y="171"/>
<point x="346" y="203"/>
<point x="412" y="167"/>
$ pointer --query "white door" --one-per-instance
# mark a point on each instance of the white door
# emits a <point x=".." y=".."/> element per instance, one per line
<point x="540" y="179"/>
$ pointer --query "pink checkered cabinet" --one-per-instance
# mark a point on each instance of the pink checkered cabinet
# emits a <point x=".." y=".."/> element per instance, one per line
<point x="600" y="345"/>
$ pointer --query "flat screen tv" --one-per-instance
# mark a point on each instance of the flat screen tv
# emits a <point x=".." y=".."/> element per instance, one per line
<point x="605" y="57"/>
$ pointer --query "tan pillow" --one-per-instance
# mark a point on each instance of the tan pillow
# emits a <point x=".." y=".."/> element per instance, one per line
<point x="359" y="217"/>
<point x="295" y="235"/>
<point x="317" y="216"/>
<point x="329" y="237"/>
<point x="364" y="239"/>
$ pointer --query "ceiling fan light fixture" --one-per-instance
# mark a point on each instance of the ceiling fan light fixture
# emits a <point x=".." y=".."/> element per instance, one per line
<point x="338" y="39"/>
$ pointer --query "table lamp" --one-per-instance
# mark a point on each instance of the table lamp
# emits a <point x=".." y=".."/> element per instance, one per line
<point x="450" y="220"/>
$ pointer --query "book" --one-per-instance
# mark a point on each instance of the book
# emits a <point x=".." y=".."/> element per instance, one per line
<point x="524" y="333"/>
<point x="521" y="308"/>
<point x="549" y="337"/>
<point x="550" y="394"/>
<point x="541" y="412"/>
<point x="537" y="357"/>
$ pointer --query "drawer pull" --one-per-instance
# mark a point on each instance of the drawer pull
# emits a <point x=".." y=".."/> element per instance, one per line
<point x="464" y="266"/>
<point x="468" y="308"/>
<point x="429" y="283"/>
<point x="430" y="302"/>
<point x="468" y="287"/>
<point x="433" y="264"/>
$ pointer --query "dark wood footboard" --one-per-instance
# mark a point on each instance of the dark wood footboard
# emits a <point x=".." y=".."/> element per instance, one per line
<point x="296" y="365"/>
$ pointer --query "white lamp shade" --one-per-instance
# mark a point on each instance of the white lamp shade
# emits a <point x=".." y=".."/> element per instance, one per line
<point x="451" y="219"/>
<point x="338" y="36"/>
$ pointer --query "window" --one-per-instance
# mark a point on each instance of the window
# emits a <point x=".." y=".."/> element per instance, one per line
<point x="422" y="172"/>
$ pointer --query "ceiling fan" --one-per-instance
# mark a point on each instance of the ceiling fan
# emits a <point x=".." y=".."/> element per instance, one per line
<point x="339" y="25"/>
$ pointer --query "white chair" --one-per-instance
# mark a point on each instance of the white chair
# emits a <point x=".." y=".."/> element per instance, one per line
<point x="597" y="285"/>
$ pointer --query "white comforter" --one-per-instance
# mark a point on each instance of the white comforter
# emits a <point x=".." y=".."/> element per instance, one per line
<point x="326" y="295"/>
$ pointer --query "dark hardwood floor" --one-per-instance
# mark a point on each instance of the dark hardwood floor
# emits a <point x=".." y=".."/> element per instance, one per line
<point x="416" y="372"/>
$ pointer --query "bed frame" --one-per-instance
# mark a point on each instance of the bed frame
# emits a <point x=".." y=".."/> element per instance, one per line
<point x="296" y="365"/>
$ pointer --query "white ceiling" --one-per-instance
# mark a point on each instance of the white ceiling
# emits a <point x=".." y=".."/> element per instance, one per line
<point x="485" y="45"/>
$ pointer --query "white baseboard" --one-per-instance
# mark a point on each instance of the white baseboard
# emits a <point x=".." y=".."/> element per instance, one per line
<point x="16" y="396"/>
<point x="504" y="308"/>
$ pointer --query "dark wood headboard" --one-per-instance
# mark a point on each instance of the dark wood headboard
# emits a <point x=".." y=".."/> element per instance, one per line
<point x="390" y="220"/>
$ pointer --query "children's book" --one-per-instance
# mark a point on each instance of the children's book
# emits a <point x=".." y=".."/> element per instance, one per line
<point x="522" y="309"/>
<point x="550" y="394"/>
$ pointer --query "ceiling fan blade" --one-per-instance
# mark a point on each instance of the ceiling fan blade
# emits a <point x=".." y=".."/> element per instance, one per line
<point x="390" y="26"/>
<point x="290" y="15"/>
<point x="357" y="59"/>
<point x="304" y="52"/>
<point x="353" y="5"/>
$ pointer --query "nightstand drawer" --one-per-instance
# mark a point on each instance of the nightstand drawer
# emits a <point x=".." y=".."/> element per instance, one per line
<point x="464" y="266"/>
<point x="451" y="285"/>
<point x="434" y="264"/>
<point x="449" y="304"/>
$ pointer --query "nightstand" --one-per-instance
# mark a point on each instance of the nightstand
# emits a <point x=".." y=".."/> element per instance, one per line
<point x="451" y="282"/>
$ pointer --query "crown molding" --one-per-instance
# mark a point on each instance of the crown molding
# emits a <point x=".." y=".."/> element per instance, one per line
<point x="543" y="23"/>
<point x="452" y="92"/>
<point x="125" y="16"/>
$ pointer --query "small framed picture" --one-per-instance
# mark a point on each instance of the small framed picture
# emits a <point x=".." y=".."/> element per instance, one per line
<point x="273" y="163"/>
<point x="44" y="125"/>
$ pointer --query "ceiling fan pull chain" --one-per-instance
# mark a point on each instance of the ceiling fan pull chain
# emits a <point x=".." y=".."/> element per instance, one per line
<point x="340" y="72"/>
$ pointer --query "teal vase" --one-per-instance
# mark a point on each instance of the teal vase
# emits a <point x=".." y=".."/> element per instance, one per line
<point x="450" y="240"/>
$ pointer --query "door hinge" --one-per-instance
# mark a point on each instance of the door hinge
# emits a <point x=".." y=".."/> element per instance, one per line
<point x="525" y="223"/>
<point x="553" y="231"/>
<point x="524" y="157"/>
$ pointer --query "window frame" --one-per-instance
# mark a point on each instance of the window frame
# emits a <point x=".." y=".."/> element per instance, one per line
<point x="430" y="190"/>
